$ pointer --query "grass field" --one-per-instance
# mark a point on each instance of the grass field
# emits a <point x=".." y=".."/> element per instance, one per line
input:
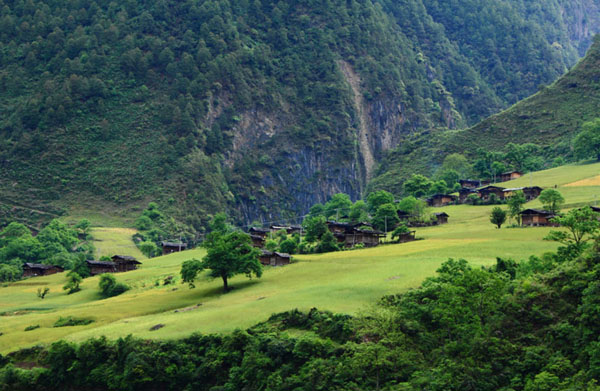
<point x="345" y="282"/>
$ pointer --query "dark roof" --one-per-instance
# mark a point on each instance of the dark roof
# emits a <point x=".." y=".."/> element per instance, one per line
<point x="257" y="237"/>
<point x="489" y="187"/>
<point x="442" y="214"/>
<point x="511" y="172"/>
<point x="261" y="230"/>
<point x="442" y="195"/>
<point x="280" y="227"/>
<point x="536" y="212"/>
<point x="40" y="266"/>
<point x="469" y="181"/>
<point x="595" y="209"/>
<point x="101" y="263"/>
<point x="369" y="231"/>
<point x="123" y="257"/>
<point x="173" y="244"/>
<point x="267" y="253"/>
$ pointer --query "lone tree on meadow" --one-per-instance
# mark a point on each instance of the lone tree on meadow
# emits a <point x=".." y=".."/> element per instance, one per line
<point x="498" y="216"/>
<point x="552" y="200"/>
<point x="587" y="142"/>
<point x="228" y="253"/>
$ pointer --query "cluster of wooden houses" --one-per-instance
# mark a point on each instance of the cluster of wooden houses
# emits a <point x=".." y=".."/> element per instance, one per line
<point x="346" y="234"/>
<point x="119" y="263"/>
<point x="484" y="191"/>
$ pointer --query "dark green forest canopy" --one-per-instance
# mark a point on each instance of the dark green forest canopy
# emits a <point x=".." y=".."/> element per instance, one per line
<point x="248" y="105"/>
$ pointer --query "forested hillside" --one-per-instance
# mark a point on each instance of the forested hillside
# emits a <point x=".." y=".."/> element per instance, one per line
<point x="262" y="108"/>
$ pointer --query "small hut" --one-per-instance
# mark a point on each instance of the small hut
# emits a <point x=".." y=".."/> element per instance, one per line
<point x="441" y="200"/>
<point x="38" y="269"/>
<point x="270" y="258"/>
<point x="407" y="237"/>
<point x="100" y="267"/>
<point x="442" y="218"/>
<point x="537" y="218"/>
<point x="125" y="263"/>
<point x="510" y="175"/>
<point x="172" y="247"/>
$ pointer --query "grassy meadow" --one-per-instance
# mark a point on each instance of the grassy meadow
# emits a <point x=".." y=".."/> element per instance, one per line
<point x="345" y="282"/>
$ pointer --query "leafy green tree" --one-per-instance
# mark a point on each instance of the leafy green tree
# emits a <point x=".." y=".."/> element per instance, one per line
<point x="552" y="200"/>
<point x="439" y="187"/>
<point x="358" y="212"/>
<point x="288" y="246"/>
<point x="271" y="245"/>
<point x="83" y="226"/>
<point x="338" y="206"/>
<point x="587" y="143"/>
<point x="9" y="273"/>
<point x="232" y="254"/>
<point x="581" y="224"/>
<point x="458" y="163"/>
<point x="13" y="231"/>
<point x="386" y="217"/>
<point x="149" y="249"/>
<point x="378" y="198"/>
<point x="498" y="216"/>
<point x="109" y="286"/>
<point x="497" y="168"/>
<point x="228" y="254"/>
<point x="317" y="210"/>
<point x="416" y="208"/>
<point x="450" y="176"/>
<point x="417" y="185"/>
<point x="327" y="243"/>
<point x="189" y="271"/>
<point x="314" y="227"/>
<point x="80" y="266"/>
<point x="144" y="223"/>
<point x="515" y="205"/>
<point x="73" y="281"/>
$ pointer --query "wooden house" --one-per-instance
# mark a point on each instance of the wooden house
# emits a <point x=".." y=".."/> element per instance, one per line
<point x="276" y="228"/>
<point x="263" y="232"/>
<point x="125" y="263"/>
<point x="172" y="247"/>
<point x="487" y="191"/>
<point x="258" y="241"/>
<point x="270" y="258"/>
<point x="100" y="267"/>
<point x="38" y="269"/>
<point x="441" y="200"/>
<point x="368" y="238"/>
<point x="537" y="218"/>
<point x="464" y="193"/>
<point x="407" y="237"/>
<point x="510" y="175"/>
<point x="442" y="218"/>
<point x="530" y="193"/>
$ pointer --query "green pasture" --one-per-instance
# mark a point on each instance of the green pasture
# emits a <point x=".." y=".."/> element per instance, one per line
<point x="346" y="282"/>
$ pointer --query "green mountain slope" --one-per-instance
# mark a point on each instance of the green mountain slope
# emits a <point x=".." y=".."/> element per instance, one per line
<point x="550" y="118"/>
<point x="262" y="108"/>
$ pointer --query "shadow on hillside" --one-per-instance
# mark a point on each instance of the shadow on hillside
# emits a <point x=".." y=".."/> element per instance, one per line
<point x="233" y="287"/>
